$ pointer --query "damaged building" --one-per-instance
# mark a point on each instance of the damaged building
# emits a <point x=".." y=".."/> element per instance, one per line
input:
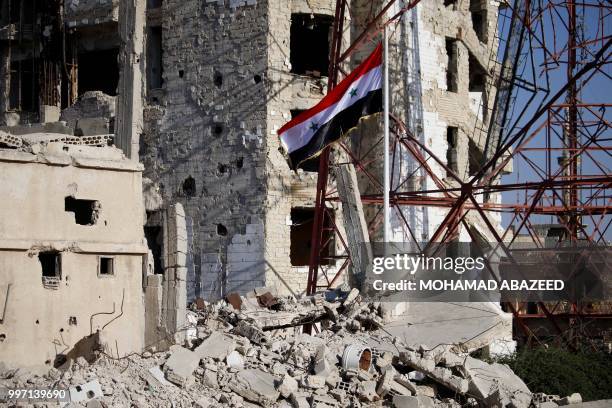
<point x="195" y="91"/>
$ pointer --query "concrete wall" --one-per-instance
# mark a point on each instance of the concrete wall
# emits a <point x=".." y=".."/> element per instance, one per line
<point x="39" y="323"/>
<point x="226" y="90"/>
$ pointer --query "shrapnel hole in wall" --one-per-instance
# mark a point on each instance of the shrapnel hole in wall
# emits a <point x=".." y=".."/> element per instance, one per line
<point x="221" y="230"/>
<point x="309" y="44"/>
<point x="189" y="187"/>
<point x="300" y="236"/>
<point x="218" y="79"/>
<point x="452" y="66"/>
<point x="217" y="129"/>
<point x="85" y="211"/>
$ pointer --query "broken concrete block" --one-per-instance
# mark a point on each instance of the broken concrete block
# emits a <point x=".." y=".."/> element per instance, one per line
<point x="217" y="346"/>
<point x="350" y="298"/>
<point x="314" y="381"/>
<point x="321" y="365"/>
<point x="299" y="400"/>
<point x="235" y="360"/>
<point x="252" y="332"/>
<point x="204" y="402"/>
<point x="404" y="380"/>
<point x="323" y="401"/>
<point x="426" y="390"/>
<point x="254" y="385"/>
<point x="575" y="398"/>
<point x="210" y="378"/>
<point x="287" y="386"/>
<point x="385" y="383"/>
<point x="366" y="391"/>
<point x="86" y="392"/>
<point x="495" y="383"/>
<point x="416" y="376"/>
<point x="180" y="366"/>
<point x="403" y="401"/>
<point x="156" y="377"/>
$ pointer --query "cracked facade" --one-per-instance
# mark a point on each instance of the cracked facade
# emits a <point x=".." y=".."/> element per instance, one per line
<point x="195" y="90"/>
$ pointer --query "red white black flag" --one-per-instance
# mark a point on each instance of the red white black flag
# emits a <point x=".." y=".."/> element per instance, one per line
<point x="357" y="96"/>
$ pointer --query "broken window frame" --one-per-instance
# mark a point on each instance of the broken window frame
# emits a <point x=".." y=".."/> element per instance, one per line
<point x="93" y="210"/>
<point x="452" y="65"/>
<point x="452" y="140"/>
<point x="51" y="281"/>
<point x="297" y="57"/>
<point x="328" y="239"/>
<point x="480" y="27"/>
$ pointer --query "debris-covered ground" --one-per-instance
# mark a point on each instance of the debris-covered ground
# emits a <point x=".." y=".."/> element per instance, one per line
<point x="251" y="351"/>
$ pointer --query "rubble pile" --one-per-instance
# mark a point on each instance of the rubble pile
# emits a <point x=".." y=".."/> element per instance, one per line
<point x="253" y="351"/>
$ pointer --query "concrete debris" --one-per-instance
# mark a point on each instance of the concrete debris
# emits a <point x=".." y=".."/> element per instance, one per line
<point x="85" y="392"/>
<point x="233" y="360"/>
<point x="217" y="346"/>
<point x="495" y="383"/>
<point x="180" y="366"/>
<point x="575" y="398"/>
<point x="255" y="385"/>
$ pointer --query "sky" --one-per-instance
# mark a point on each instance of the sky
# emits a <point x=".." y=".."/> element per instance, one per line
<point x="540" y="69"/>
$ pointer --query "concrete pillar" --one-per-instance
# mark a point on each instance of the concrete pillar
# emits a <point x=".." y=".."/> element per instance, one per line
<point x="354" y="220"/>
<point x="175" y="271"/>
<point x="132" y="20"/>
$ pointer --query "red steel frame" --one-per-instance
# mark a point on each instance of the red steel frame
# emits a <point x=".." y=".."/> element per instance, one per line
<point x="563" y="124"/>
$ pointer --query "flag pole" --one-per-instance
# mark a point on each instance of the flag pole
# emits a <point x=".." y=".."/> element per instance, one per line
<point x="386" y="180"/>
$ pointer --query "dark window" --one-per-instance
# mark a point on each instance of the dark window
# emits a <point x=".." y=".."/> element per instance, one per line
<point x="452" y="68"/>
<point x="477" y="75"/>
<point x="50" y="262"/>
<point x="309" y="54"/>
<point x="449" y="2"/>
<point x="51" y="265"/>
<point x="189" y="186"/>
<point x="301" y="233"/>
<point x="154" y="58"/>
<point x="107" y="266"/>
<point x="24" y="86"/>
<point x="452" y="134"/>
<point x="479" y="19"/>
<point x="153" y="4"/>
<point x="475" y="158"/>
<point x="99" y="71"/>
<point x="85" y="211"/>
<point x="154" y="236"/>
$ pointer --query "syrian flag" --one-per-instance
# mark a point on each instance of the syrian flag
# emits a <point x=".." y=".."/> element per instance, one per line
<point x="357" y="96"/>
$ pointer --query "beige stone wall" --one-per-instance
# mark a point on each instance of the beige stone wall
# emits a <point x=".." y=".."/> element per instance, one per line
<point x="39" y="323"/>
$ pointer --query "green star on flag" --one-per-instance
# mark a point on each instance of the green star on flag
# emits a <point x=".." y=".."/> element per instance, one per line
<point x="314" y="125"/>
<point x="353" y="92"/>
